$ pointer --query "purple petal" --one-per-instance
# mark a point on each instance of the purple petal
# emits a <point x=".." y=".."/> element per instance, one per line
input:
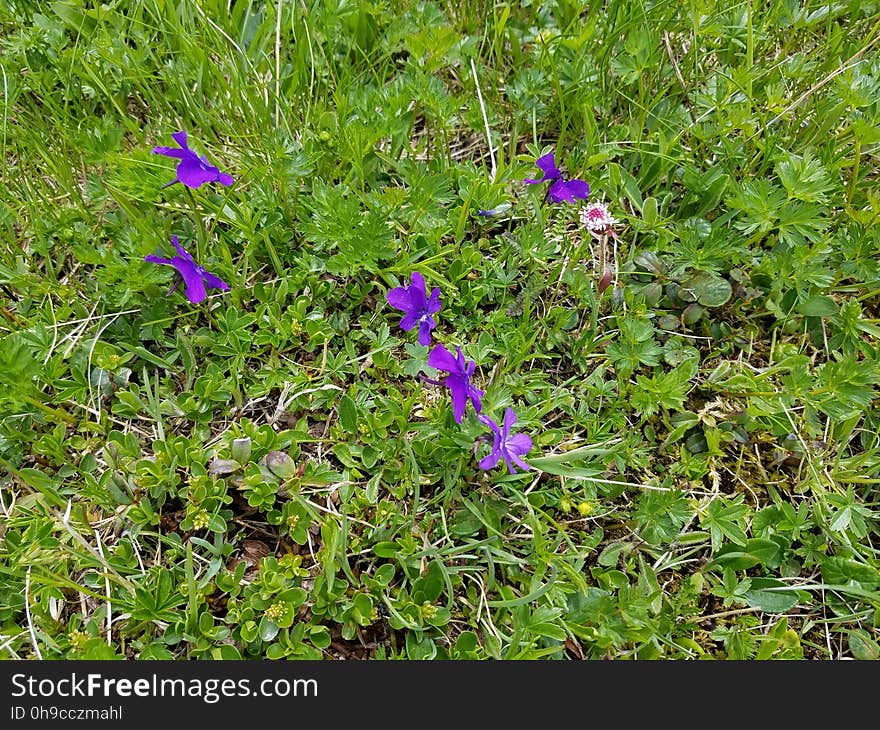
<point x="195" y="286"/>
<point x="225" y="179"/>
<point x="214" y="282"/>
<point x="425" y="328"/>
<point x="158" y="260"/>
<point x="459" y="392"/>
<point x="441" y="359"/>
<point x="509" y="458"/>
<point x="170" y="152"/>
<point x="580" y="189"/>
<point x="399" y="298"/>
<point x="509" y="420"/>
<point x="181" y="139"/>
<point x="547" y="164"/>
<point x="193" y="173"/>
<point x="181" y="250"/>
<point x="418" y="291"/>
<point x="519" y="444"/>
<point x="410" y="319"/>
<point x="486" y="421"/>
<point x="476" y="396"/>
<point x="417" y="280"/>
<point x="489" y="462"/>
<point x="568" y="190"/>
<point x="434" y="303"/>
<point x="516" y="460"/>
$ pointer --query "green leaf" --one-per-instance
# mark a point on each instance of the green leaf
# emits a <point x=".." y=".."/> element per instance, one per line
<point x="145" y="354"/>
<point x="44" y="484"/>
<point x="726" y="518"/>
<point x="756" y="551"/>
<point x="371" y="492"/>
<point x="268" y="629"/>
<point x="76" y="19"/>
<point x="385" y="549"/>
<point x="330" y="535"/>
<point x="348" y="414"/>
<point x="862" y="646"/>
<point x="467" y="641"/>
<point x="610" y="555"/>
<point x="840" y="570"/>
<point x="761" y="596"/>
<point x="320" y="637"/>
<point x="17" y="363"/>
<point x="663" y="391"/>
<point x="420" y="647"/>
<point x="818" y="306"/>
<point x="429" y="586"/>
<point x="711" y="290"/>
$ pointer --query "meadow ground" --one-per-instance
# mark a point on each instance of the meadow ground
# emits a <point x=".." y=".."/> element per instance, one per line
<point x="276" y="471"/>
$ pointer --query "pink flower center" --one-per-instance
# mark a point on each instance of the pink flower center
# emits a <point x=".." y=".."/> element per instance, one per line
<point x="596" y="217"/>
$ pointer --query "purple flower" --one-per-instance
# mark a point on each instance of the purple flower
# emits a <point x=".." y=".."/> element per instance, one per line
<point x="194" y="276"/>
<point x="417" y="305"/>
<point x="506" y="446"/>
<point x="561" y="189"/>
<point x="459" y="379"/>
<point x="192" y="170"/>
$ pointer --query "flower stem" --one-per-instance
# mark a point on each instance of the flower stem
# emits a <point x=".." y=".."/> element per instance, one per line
<point x="202" y="240"/>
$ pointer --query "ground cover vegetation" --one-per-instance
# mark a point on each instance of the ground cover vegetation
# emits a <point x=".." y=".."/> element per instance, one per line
<point x="439" y="330"/>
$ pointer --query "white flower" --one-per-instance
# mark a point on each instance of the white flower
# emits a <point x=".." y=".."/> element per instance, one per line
<point x="596" y="218"/>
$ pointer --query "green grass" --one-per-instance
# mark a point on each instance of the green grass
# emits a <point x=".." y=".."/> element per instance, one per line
<point x="265" y="474"/>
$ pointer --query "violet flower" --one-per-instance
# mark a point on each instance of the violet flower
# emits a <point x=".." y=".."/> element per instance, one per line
<point x="192" y="170"/>
<point x="561" y="189"/>
<point x="195" y="277"/>
<point x="459" y="379"/>
<point x="417" y="305"/>
<point x="506" y="446"/>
